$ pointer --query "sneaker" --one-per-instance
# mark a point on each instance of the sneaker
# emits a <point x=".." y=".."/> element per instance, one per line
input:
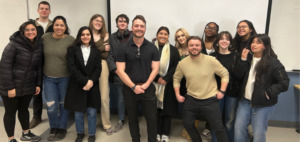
<point x="158" y="139"/>
<point x="13" y="140"/>
<point x="109" y="131"/>
<point x="79" y="138"/>
<point x="164" y="138"/>
<point x="28" y="136"/>
<point x="60" y="134"/>
<point x="52" y="134"/>
<point x="34" y="122"/>
<point x="92" y="138"/>
<point x="206" y="132"/>
<point x="119" y="126"/>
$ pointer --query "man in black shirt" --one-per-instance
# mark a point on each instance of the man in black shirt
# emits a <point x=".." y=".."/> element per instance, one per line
<point x="137" y="66"/>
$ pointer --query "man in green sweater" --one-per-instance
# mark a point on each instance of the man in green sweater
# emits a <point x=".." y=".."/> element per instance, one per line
<point x="202" y="95"/>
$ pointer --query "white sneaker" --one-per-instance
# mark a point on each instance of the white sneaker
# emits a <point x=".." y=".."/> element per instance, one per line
<point x="206" y="132"/>
<point x="158" y="139"/>
<point x="164" y="138"/>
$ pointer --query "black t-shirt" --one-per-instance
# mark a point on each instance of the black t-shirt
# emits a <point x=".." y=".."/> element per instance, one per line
<point x="138" y="67"/>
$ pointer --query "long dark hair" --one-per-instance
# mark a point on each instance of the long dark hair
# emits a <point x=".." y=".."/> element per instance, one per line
<point x="220" y="35"/>
<point x="78" y="41"/>
<point x="268" y="53"/>
<point x="203" y="34"/>
<point x="67" y="31"/>
<point x="238" y="39"/>
<point x="35" y="43"/>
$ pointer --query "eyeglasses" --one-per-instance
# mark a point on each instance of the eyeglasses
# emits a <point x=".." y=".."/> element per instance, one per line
<point x="210" y="28"/>
<point x="242" y="27"/>
<point x="138" y="53"/>
<point x="27" y="30"/>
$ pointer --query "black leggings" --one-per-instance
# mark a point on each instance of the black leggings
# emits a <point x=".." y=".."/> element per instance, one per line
<point x="12" y="105"/>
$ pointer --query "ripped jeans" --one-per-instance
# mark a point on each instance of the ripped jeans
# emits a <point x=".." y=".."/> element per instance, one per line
<point x="55" y="92"/>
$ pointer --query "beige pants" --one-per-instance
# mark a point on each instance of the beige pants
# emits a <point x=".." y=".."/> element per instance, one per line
<point x="104" y="90"/>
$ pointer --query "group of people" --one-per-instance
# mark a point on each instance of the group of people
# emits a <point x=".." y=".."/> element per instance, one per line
<point x="236" y="86"/>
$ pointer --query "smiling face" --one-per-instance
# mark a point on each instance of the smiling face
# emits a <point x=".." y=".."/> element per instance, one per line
<point x="211" y="30"/>
<point x="257" y="47"/>
<point x="243" y="29"/>
<point x="180" y="37"/>
<point x="97" y="23"/>
<point x="224" y="42"/>
<point x="162" y="37"/>
<point x="85" y="37"/>
<point x="30" y="32"/>
<point x="122" y="24"/>
<point x="59" y="27"/>
<point x="138" y="28"/>
<point x="44" y="10"/>
<point x="194" y="47"/>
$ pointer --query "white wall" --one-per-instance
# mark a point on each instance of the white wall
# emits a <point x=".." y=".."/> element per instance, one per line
<point x="13" y="14"/>
<point x="77" y="13"/>
<point x="284" y="24"/>
<point x="285" y="32"/>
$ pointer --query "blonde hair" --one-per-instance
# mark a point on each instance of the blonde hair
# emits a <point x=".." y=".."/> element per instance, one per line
<point x="177" y="44"/>
<point x="103" y="30"/>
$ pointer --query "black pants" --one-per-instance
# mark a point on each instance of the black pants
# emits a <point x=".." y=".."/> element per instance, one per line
<point x="209" y="109"/>
<point x="148" y="102"/>
<point x="163" y="123"/>
<point x="38" y="105"/>
<point x="12" y="105"/>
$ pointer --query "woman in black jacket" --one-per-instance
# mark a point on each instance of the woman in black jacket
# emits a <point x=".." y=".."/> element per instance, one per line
<point x="21" y="78"/>
<point x="166" y="100"/>
<point x="264" y="78"/>
<point x="84" y="64"/>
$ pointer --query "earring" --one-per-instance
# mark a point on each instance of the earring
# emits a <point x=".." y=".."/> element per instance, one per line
<point x="217" y="44"/>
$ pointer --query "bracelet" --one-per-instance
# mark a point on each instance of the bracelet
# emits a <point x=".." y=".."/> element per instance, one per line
<point x="223" y="92"/>
<point x="133" y="87"/>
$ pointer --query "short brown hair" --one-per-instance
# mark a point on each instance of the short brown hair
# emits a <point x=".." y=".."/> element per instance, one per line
<point x="195" y="38"/>
<point x="45" y="3"/>
<point x="140" y="17"/>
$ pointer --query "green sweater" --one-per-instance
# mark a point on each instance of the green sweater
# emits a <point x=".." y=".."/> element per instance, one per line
<point x="200" y="75"/>
<point x="55" y="54"/>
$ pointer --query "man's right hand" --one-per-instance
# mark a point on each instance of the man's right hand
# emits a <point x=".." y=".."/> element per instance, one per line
<point x="180" y="98"/>
<point x="138" y="89"/>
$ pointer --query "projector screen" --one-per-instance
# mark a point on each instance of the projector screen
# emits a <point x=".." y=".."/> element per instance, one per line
<point x="192" y="15"/>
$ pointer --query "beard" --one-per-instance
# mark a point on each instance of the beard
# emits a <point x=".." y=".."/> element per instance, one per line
<point x="195" y="54"/>
<point x="138" y="35"/>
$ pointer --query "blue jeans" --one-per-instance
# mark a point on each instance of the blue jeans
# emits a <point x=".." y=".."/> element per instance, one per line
<point x="55" y="92"/>
<point x="258" y="117"/>
<point x="121" y="102"/>
<point x="228" y="106"/>
<point x="92" y="121"/>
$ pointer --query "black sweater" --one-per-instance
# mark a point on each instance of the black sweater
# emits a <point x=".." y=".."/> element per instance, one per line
<point x="228" y="61"/>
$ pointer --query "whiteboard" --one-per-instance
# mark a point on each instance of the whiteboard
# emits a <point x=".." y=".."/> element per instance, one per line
<point x="285" y="32"/>
<point x="192" y="15"/>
